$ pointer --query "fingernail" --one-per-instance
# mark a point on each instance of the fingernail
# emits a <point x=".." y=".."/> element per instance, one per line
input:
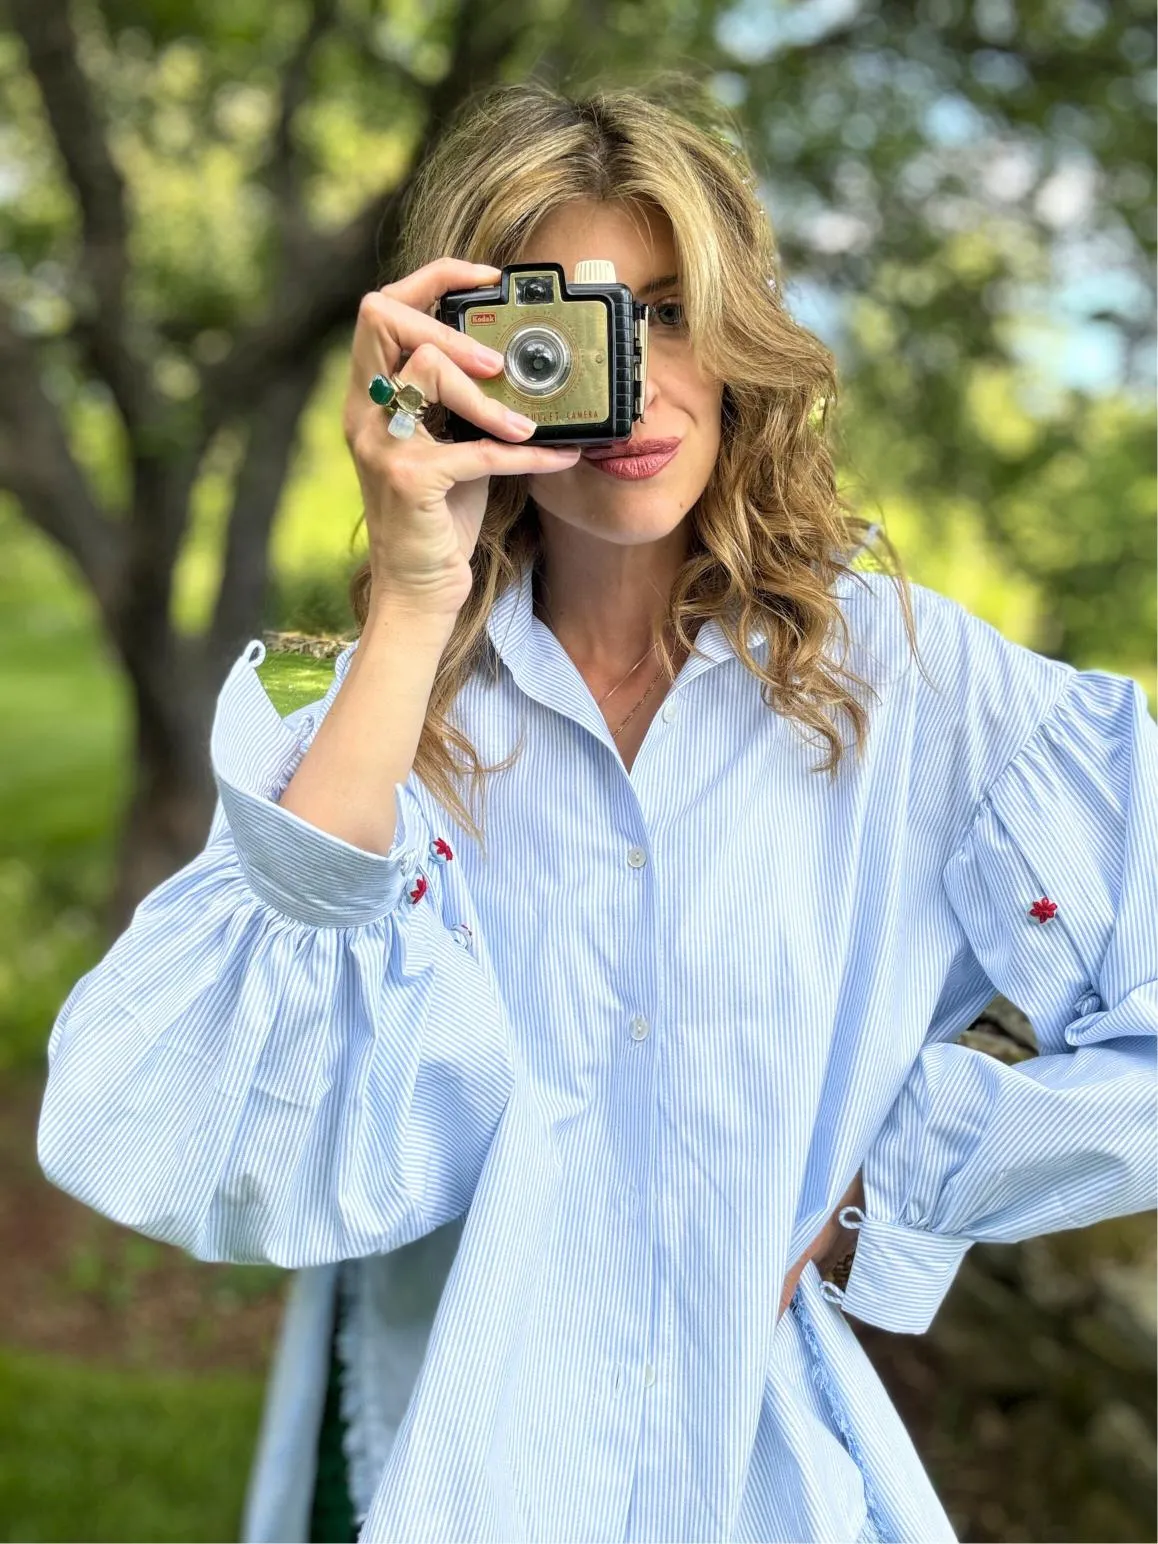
<point x="488" y="356"/>
<point x="517" y="422"/>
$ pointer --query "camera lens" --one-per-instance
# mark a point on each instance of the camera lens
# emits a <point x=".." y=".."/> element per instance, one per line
<point x="538" y="361"/>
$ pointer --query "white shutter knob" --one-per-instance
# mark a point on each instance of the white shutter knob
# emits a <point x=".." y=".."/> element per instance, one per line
<point x="594" y="270"/>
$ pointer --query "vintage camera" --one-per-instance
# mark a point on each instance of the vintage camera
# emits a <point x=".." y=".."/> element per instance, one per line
<point x="575" y="355"/>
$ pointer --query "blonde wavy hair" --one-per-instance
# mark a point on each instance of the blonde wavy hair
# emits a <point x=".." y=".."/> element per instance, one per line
<point x="770" y="535"/>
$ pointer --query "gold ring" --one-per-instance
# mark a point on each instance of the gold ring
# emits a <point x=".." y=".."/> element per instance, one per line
<point x="403" y="402"/>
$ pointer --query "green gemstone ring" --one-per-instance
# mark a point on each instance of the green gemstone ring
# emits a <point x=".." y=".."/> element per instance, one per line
<point x="381" y="391"/>
<point x="404" y="402"/>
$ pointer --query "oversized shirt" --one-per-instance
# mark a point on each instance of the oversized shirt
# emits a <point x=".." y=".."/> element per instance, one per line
<point x="599" y="1087"/>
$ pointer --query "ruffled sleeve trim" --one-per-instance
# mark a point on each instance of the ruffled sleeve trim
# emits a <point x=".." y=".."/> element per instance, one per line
<point x="1055" y="887"/>
<point x="1063" y="829"/>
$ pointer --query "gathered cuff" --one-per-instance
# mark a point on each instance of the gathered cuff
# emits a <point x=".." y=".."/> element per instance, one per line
<point x="291" y="865"/>
<point x="899" y="1276"/>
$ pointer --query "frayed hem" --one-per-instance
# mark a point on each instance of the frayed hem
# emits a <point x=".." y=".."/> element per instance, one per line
<point x="876" y="1530"/>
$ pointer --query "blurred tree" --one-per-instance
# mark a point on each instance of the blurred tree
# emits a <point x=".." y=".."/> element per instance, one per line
<point x="954" y="171"/>
<point x="233" y="175"/>
<point x="199" y="191"/>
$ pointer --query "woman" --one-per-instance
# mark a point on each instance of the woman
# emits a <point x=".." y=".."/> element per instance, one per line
<point x="600" y="1086"/>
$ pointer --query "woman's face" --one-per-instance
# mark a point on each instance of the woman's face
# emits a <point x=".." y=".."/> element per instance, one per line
<point x="681" y="404"/>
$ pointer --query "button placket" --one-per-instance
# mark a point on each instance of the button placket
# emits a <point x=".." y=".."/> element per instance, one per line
<point x="629" y="1199"/>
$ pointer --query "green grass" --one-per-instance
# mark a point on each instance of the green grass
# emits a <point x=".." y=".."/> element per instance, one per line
<point x="292" y="680"/>
<point x="89" y="1453"/>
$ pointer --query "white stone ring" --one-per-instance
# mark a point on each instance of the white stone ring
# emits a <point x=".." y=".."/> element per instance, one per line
<point x="404" y="404"/>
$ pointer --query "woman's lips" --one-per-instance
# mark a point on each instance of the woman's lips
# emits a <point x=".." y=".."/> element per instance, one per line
<point x="632" y="468"/>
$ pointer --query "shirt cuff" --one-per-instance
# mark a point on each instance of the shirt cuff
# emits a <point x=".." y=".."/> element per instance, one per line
<point x="291" y="865"/>
<point x="899" y="1276"/>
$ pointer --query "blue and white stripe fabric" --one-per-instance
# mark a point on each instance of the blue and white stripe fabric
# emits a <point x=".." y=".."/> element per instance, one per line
<point x="602" y="1086"/>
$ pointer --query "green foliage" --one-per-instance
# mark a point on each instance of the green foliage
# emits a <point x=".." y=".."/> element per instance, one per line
<point x="313" y="601"/>
<point x="915" y="161"/>
<point x="105" y="1454"/>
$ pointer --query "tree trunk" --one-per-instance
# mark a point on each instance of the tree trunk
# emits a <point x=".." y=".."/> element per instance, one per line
<point x="171" y="803"/>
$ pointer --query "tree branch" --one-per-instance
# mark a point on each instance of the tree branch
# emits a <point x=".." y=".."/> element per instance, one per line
<point x="281" y="172"/>
<point x="337" y="269"/>
<point x="37" y="466"/>
<point x="51" y="44"/>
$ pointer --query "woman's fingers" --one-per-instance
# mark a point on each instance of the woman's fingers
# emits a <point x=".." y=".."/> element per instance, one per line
<point x="439" y="465"/>
<point x="426" y="285"/>
<point x="442" y="380"/>
<point x="487" y="458"/>
<point x="400" y="329"/>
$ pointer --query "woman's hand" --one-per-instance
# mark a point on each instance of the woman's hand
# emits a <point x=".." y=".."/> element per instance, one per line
<point x="425" y="498"/>
<point x="831" y="1244"/>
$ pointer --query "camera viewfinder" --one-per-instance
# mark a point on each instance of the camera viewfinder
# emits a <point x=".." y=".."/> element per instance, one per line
<point x="535" y="289"/>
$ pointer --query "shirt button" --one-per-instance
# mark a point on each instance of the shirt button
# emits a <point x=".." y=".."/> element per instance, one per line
<point x="639" y="1027"/>
<point x="629" y="1200"/>
<point x="668" y="712"/>
<point x="648" y="1375"/>
<point x="636" y="857"/>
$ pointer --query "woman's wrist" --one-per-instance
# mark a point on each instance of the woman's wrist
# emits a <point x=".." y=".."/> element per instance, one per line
<point x="835" y="1261"/>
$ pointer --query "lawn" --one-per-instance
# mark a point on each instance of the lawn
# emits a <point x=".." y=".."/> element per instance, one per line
<point x="104" y="1453"/>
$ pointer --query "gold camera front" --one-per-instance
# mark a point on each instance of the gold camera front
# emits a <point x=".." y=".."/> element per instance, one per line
<point x="554" y="351"/>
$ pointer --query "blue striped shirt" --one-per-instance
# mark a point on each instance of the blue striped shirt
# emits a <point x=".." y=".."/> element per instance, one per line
<point x="599" y="1089"/>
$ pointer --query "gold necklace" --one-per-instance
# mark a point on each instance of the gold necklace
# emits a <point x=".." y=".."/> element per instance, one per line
<point x="641" y="701"/>
<point x="618" y="684"/>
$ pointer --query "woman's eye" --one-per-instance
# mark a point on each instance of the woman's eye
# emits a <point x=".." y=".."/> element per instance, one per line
<point x="669" y="313"/>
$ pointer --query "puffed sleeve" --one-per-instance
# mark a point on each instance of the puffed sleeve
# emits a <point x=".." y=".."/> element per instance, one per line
<point x="1055" y="886"/>
<point x="294" y="1053"/>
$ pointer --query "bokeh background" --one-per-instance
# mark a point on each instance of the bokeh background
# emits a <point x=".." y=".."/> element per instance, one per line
<point x="193" y="196"/>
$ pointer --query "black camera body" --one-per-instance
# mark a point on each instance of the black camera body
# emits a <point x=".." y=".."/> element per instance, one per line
<point x="575" y="355"/>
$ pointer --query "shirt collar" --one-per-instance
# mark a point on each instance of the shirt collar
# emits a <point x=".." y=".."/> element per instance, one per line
<point x="543" y="671"/>
<point x="514" y="629"/>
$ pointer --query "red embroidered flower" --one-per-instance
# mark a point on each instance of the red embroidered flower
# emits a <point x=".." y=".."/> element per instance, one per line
<point x="1043" y="910"/>
<point x="440" y="850"/>
<point x="419" y="889"/>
